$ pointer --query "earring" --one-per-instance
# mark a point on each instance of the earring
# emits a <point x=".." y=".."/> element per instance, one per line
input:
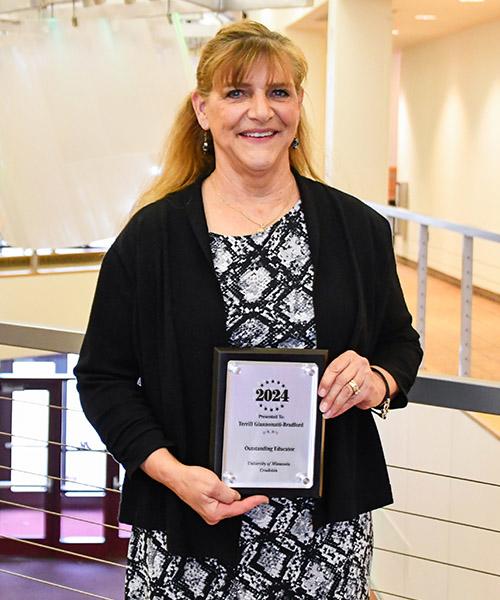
<point x="295" y="143"/>
<point x="205" y="146"/>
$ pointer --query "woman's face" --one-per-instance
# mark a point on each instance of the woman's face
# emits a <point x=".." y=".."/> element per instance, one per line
<point x="253" y="124"/>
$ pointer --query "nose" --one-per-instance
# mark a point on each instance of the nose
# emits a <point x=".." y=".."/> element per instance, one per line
<point x="260" y="107"/>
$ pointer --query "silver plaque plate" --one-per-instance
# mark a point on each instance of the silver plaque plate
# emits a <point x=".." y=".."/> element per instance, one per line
<point x="270" y="424"/>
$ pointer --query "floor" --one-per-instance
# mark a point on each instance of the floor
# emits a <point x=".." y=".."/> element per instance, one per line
<point x="442" y="337"/>
<point x="443" y="327"/>
<point x="442" y="344"/>
<point x="30" y="524"/>
<point x="102" y="580"/>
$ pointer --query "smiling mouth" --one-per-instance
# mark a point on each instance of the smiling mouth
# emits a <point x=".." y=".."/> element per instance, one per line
<point x="258" y="134"/>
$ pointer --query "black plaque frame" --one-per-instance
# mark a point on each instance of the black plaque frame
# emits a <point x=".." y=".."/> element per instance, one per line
<point x="222" y="356"/>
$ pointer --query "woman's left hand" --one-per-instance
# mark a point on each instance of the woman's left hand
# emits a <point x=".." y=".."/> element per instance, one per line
<point x="349" y="381"/>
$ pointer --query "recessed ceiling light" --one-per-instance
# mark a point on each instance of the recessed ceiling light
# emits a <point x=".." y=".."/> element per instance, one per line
<point x="395" y="32"/>
<point x="425" y="17"/>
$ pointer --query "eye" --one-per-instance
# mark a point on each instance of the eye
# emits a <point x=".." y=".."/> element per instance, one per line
<point x="236" y="93"/>
<point x="281" y="93"/>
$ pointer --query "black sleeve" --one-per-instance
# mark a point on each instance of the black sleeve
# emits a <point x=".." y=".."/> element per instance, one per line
<point x="397" y="347"/>
<point x="108" y="370"/>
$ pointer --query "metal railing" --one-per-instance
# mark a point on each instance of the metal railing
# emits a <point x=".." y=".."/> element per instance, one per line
<point x="468" y="235"/>
<point x="454" y="393"/>
<point x="64" y="341"/>
<point x="459" y="393"/>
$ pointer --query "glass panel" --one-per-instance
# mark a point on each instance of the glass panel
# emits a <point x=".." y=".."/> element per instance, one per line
<point x="88" y="468"/>
<point x="83" y="465"/>
<point x="22" y="522"/>
<point x="74" y="531"/>
<point x="33" y="368"/>
<point x="30" y="419"/>
<point x="124" y="529"/>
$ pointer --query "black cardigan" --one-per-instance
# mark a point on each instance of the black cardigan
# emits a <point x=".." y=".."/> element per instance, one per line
<point x="145" y="367"/>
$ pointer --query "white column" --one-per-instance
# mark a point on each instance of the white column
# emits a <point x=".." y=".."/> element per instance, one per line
<point x="358" y="97"/>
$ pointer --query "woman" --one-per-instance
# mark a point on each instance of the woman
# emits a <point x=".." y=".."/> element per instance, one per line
<point x="237" y="247"/>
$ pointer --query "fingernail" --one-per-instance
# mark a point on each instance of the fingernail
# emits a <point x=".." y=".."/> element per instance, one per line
<point x="323" y="406"/>
<point x="321" y="392"/>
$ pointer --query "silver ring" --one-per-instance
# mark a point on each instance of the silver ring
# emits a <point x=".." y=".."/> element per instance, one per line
<point x="354" y="387"/>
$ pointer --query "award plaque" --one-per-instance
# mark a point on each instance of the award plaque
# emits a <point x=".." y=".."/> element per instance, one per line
<point x="267" y="431"/>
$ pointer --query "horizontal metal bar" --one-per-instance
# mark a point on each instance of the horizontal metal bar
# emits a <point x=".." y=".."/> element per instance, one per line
<point x="97" y="488"/>
<point x="462" y="393"/>
<point x="52" y="584"/>
<point x="439" y="519"/>
<point x="258" y="4"/>
<point x="393" y="595"/>
<point x="437" y="562"/>
<point x="50" y="443"/>
<point x="54" y="406"/>
<point x="408" y="215"/>
<point x="68" y="552"/>
<point x="58" y="514"/>
<point x="226" y="5"/>
<point x="446" y="475"/>
<point x="40" y="338"/>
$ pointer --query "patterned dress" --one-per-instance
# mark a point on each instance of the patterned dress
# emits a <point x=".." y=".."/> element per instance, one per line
<point x="266" y="280"/>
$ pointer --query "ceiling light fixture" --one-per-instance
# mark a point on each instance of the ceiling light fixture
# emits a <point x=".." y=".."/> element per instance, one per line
<point x="395" y="32"/>
<point x="425" y="17"/>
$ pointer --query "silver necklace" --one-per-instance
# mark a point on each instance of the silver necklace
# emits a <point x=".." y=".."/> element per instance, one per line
<point x="262" y="226"/>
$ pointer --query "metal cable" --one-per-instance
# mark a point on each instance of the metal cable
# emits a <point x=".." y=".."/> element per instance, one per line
<point x="405" y="512"/>
<point x="393" y="595"/>
<point x="444" y="475"/>
<point x="69" y="552"/>
<point x="52" y="443"/>
<point x="437" y="562"/>
<point x="57" y="585"/>
<point x="57" y="514"/>
<point x="77" y="410"/>
<point x="97" y="487"/>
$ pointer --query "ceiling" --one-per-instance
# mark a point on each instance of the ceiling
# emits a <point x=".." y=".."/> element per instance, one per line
<point x="452" y="16"/>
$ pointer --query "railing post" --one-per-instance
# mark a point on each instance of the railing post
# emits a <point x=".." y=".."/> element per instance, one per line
<point x="53" y="498"/>
<point x="466" y="308"/>
<point x="34" y="261"/>
<point x="423" y="243"/>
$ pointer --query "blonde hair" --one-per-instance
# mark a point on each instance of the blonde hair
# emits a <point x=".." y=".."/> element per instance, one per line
<point x="225" y="60"/>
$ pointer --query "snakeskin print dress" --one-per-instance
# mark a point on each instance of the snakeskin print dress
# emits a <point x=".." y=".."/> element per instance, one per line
<point x="266" y="280"/>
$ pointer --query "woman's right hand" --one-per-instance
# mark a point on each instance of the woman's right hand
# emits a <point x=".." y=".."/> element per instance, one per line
<point x="198" y="487"/>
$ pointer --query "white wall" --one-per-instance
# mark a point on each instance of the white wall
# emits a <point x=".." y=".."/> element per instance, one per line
<point x="51" y="300"/>
<point x="358" y="97"/>
<point x="439" y="440"/>
<point x="355" y="154"/>
<point x="313" y="43"/>
<point x="449" y="143"/>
